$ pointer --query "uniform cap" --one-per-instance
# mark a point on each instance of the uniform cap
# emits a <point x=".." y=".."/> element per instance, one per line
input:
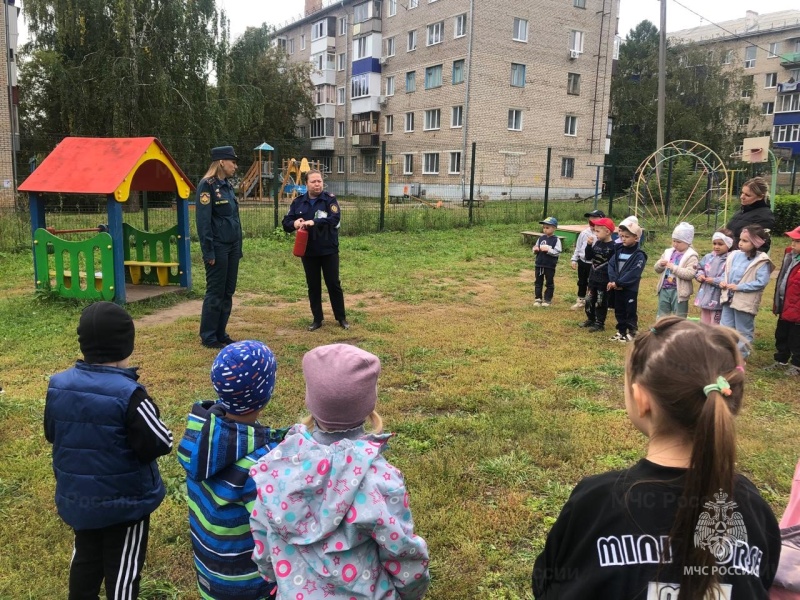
<point x="223" y="153"/>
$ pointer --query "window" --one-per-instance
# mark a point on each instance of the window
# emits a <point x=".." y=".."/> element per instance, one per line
<point x="515" y="119"/>
<point x="302" y="41"/>
<point x="744" y="121"/>
<point x="430" y="166"/>
<point x="574" y="84"/>
<point x="413" y="3"/>
<point x="576" y="40"/>
<point x="291" y="46"/>
<point x="412" y="40"/>
<point x="408" y="164"/>
<point x="433" y="118"/>
<point x="392" y="8"/>
<point x="520" y="30"/>
<point x="342" y="25"/>
<point x="455" y="163"/>
<point x="788" y="103"/>
<point x="361" y="12"/>
<point x="749" y="57"/>
<point x="359" y="86"/>
<point x="360" y="48"/>
<point x="457" y="116"/>
<point x="435" y="33"/>
<point x="340" y="129"/>
<point x="747" y="86"/>
<point x="340" y="96"/>
<point x="460" y="27"/>
<point x="370" y="163"/>
<point x="579" y="3"/>
<point x="767" y="108"/>
<point x="458" y="71"/>
<point x="389" y="124"/>
<point x="771" y="80"/>
<point x="321" y="128"/>
<point x="568" y="167"/>
<point x="773" y="50"/>
<point x="390" y="46"/>
<point x="390" y="86"/>
<point x="571" y="125"/>
<point x="324" y="94"/>
<point x="353" y="164"/>
<point x="409" y="121"/>
<point x="319" y="30"/>
<point x="517" y="75"/>
<point x="323" y="61"/>
<point x="341" y="61"/>
<point x="340" y="164"/>
<point x="727" y="57"/>
<point x="433" y="77"/>
<point x="411" y="82"/>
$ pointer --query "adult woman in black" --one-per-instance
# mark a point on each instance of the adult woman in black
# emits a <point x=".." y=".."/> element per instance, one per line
<point x="755" y="210"/>
<point x="220" y="233"/>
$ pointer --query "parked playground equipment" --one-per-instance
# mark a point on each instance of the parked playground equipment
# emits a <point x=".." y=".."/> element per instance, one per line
<point x="293" y="177"/>
<point x="257" y="180"/>
<point x="96" y="268"/>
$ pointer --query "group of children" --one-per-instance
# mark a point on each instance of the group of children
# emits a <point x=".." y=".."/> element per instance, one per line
<point x="315" y="511"/>
<point x="732" y="280"/>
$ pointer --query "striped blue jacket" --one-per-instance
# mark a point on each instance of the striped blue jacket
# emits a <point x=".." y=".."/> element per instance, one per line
<point x="218" y="454"/>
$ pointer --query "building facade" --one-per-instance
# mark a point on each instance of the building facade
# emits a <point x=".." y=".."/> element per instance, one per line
<point x="9" y="129"/>
<point x="429" y="77"/>
<point x="767" y="48"/>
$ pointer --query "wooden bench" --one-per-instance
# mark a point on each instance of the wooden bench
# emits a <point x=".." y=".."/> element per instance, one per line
<point x="98" y="279"/>
<point x="162" y="269"/>
<point x="529" y="238"/>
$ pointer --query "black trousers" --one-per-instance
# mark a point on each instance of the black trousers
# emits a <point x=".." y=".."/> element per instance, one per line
<point x="220" y="287"/>
<point x="544" y="277"/>
<point x="625" y="310"/>
<point x="583" y="277"/>
<point x="114" y="553"/>
<point x="596" y="305"/>
<point x="329" y="265"/>
<point x="787" y="342"/>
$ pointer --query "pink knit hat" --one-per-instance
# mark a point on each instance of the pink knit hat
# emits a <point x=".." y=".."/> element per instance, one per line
<point x="341" y="385"/>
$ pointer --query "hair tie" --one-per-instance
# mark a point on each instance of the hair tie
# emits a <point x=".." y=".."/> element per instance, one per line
<point x="721" y="385"/>
<point x="740" y="368"/>
<point x="653" y="330"/>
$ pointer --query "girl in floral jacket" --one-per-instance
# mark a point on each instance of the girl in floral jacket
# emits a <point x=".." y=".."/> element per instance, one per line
<point x="332" y="519"/>
<point x="710" y="272"/>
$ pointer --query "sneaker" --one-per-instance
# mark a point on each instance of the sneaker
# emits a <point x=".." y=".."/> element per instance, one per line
<point x="596" y="327"/>
<point x="617" y="337"/>
<point x="629" y="337"/>
<point x="587" y="323"/>
<point x="545" y="304"/>
<point x="793" y="371"/>
<point x="537" y="302"/>
<point x="578" y="304"/>
<point x="777" y="365"/>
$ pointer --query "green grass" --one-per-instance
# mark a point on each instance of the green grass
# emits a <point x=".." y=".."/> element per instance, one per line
<point x="498" y="408"/>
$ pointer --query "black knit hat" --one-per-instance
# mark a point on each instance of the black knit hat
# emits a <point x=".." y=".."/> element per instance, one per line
<point x="105" y="333"/>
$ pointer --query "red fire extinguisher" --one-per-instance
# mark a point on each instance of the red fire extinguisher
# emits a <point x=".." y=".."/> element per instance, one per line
<point x="300" y="242"/>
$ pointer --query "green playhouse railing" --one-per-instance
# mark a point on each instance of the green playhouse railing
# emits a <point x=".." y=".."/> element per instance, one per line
<point x="152" y="247"/>
<point x="88" y="272"/>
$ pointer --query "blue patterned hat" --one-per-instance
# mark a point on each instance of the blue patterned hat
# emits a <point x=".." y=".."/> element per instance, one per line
<point x="243" y="375"/>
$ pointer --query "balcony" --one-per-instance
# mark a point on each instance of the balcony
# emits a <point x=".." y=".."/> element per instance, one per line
<point x="785" y="88"/>
<point x="369" y="26"/>
<point x="323" y="143"/>
<point x="790" y="61"/>
<point x="366" y="140"/>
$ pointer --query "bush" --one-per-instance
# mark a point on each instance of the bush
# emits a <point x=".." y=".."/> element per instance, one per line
<point x="787" y="214"/>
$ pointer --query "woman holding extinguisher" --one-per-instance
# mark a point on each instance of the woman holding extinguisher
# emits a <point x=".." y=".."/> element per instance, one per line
<point x="317" y="212"/>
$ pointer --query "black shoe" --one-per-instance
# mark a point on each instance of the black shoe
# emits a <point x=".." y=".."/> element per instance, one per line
<point x="344" y="324"/>
<point x="228" y="340"/>
<point x="215" y="345"/>
<point x="315" y="325"/>
<point x="596" y="327"/>
<point x="587" y="323"/>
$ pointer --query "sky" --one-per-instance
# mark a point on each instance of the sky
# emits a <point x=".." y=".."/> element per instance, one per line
<point x="246" y="13"/>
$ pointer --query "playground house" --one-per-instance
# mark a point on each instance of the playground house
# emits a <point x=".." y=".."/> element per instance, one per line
<point x="98" y="267"/>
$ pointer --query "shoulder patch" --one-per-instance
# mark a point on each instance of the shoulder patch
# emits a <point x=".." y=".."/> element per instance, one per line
<point x="205" y="198"/>
<point x="334" y="208"/>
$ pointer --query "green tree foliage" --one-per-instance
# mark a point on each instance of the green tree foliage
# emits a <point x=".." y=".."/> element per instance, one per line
<point x="703" y="99"/>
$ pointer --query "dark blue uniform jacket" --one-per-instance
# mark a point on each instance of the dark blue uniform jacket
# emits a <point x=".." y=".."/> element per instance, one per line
<point x="217" y="216"/>
<point x="323" y="237"/>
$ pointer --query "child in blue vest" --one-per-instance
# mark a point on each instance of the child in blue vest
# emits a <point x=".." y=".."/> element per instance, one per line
<point x="106" y="433"/>
<point x="546" y="249"/>
<point x="624" y="275"/>
<point x="223" y="440"/>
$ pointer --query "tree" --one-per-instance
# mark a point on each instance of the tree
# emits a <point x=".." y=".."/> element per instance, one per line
<point x="703" y="100"/>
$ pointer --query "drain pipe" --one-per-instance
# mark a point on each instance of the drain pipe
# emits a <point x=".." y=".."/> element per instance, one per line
<point x="465" y="111"/>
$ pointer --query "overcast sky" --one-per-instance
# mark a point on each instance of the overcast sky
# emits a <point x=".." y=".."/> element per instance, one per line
<point x="245" y="13"/>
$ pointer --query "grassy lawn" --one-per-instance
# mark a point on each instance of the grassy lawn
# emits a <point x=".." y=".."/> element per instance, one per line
<point x="499" y="408"/>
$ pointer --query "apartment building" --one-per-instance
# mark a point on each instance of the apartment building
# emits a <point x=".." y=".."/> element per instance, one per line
<point x="9" y="129"/>
<point x="429" y="77"/>
<point x="767" y="48"/>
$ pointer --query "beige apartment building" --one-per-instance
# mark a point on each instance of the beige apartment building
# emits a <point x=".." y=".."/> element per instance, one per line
<point x="429" y="77"/>
<point x="767" y="49"/>
<point x="9" y="131"/>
